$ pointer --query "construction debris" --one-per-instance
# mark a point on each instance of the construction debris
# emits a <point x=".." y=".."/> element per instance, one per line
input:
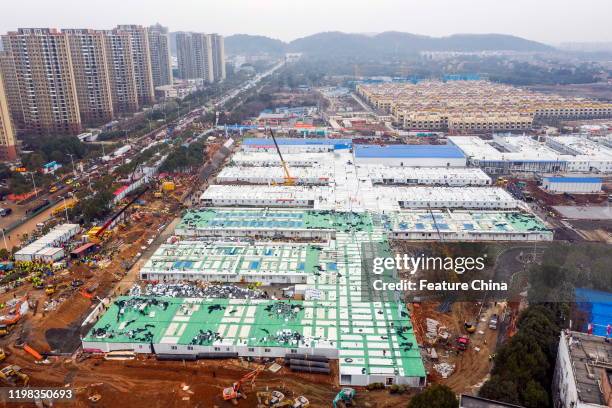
<point x="195" y="290"/>
<point x="444" y="369"/>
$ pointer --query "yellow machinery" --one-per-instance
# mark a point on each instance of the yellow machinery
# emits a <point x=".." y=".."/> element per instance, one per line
<point x="50" y="290"/>
<point x="2" y="354"/>
<point x="168" y="186"/>
<point x="289" y="181"/>
<point x="12" y="375"/>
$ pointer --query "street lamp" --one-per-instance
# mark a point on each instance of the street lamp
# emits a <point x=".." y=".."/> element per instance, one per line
<point x="34" y="184"/>
<point x="73" y="168"/>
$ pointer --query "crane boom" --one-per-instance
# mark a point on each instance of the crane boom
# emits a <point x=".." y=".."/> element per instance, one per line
<point x="288" y="179"/>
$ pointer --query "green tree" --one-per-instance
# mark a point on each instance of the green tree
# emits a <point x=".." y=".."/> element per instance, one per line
<point x="437" y="395"/>
<point x="535" y="396"/>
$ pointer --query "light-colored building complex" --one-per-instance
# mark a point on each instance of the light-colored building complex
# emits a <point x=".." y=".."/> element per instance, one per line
<point x="8" y="150"/>
<point x="91" y="74"/>
<point x="45" y="80"/>
<point x="142" y="62"/>
<point x="121" y="71"/>
<point x="159" y="47"/>
<point x="474" y="106"/>
<point x="507" y="153"/>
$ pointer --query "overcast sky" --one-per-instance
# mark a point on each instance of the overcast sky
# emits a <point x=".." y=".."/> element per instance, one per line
<point x="550" y="21"/>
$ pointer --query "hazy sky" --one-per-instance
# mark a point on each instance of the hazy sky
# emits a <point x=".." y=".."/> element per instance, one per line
<point x="550" y="21"/>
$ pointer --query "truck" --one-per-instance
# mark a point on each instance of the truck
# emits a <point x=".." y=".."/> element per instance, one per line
<point x="493" y="322"/>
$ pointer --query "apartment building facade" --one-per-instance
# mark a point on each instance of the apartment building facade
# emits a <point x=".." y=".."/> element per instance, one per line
<point x="218" y="49"/>
<point x="201" y="56"/>
<point x="8" y="149"/>
<point x="91" y="73"/>
<point x="159" y="50"/>
<point x="141" y="62"/>
<point x="41" y="64"/>
<point x="195" y="56"/>
<point x="121" y="71"/>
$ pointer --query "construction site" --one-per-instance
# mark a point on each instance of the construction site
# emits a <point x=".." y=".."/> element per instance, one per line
<point x="248" y="286"/>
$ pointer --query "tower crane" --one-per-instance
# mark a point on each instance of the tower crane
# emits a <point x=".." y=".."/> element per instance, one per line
<point x="289" y="181"/>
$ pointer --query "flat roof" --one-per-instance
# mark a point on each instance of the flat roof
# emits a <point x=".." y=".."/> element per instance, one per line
<point x="469" y="401"/>
<point x="409" y="151"/>
<point x="573" y="179"/>
<point x="285" y="141"/>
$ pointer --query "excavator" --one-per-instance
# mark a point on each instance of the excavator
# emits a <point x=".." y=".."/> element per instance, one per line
<point x="15" y="314"/>
<point x="289" y="181"/>
<point x="344" y="398"/>
<point x="12" y="375"/>
<point x="235" y="392"/>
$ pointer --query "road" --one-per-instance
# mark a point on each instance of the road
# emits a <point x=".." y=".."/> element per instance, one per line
<point x="138" y="145"/>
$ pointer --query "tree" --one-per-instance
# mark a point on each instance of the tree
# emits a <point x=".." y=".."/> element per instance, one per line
<point x="4" y="254"/>
<point x="499" y="389"/>
<point x="535" y="396"/>
<point x="439" y="396"/>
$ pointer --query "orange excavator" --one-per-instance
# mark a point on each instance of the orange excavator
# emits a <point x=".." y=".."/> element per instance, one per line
<point x="16" y="312"/>
<point x="235" y="392"/>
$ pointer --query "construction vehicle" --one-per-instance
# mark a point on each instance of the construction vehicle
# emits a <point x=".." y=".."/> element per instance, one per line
<point x="50" y="290"/>
<point x="289" y="181"/>
<point x="344" y="397"/>
<point x="469" y="327"/>
<point x="301" y="402"/>
<point x="462" y="343"/>
<point x="276" y="397"/>
<point x="235" y="392"/>
<point x="16" y="312"/>
<point x="12" y="374"/>
<point x="2" y="354"/>
<point x="501" y="182"/>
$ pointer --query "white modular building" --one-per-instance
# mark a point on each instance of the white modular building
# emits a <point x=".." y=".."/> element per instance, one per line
<point x="265" y="158"/>
<point x="53" y="239"/>
<point x="275" y="175"/>
<point x="453" y="197"/>
<point x="454" y="176"/>
<point x="576" y="185"/>
<point x="260" y="196"/>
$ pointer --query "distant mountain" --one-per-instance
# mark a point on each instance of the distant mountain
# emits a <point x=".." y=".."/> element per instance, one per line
<point x="390" y="43"/>
<point x="396" y="43"/>
<point x="253" y="44"/>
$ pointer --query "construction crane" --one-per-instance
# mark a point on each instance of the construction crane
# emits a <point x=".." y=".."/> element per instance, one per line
<point x="289" y="181"/>
<point x="235" y="391"/>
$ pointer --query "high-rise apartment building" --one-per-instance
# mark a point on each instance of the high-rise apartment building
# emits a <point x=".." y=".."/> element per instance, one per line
<point x="11" y="89"/>
<point x="218" y="50"/>
<point x="45" y="80"/>
<point x="8" y="150"/>
<point x="91" y="74"/>
<point x="121" y="71"/>
<point x="195" y="56"/>
<point x="141" y="61"/>
<point x="159" y="48"/>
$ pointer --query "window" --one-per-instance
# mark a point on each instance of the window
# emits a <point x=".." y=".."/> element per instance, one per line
<point x="251" y="349"/>
<point x="189" y="347"/>
<point x="217" y="349"/>
<point x="173" y="347"/>
<point x="389" y="381"/>
<point x="267" y="350"/>
<point x="293" y="351"/>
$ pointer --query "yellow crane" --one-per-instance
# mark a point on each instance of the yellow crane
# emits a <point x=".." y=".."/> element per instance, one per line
<point x="289" y="181"/>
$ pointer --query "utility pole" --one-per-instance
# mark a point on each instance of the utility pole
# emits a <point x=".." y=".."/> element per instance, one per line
<point x="72" y="161"/>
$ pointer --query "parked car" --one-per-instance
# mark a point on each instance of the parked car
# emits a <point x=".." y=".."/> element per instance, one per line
<point x="5" y="212"/>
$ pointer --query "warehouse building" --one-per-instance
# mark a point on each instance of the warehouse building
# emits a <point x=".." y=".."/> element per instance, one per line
<point x="586" y="155"/>
<point x="267" y="223"/>
<point x="453" y="197"/>
<point x="265" y="158"/>
<point x="275" y="175"/>
<point x="234" y="262"/>
<point x="576" y="185"/>
<point x="259" y="196"/>
<point x="410" y="155"/>
<point x="431" y="176"/>
<point x="467" y="226"/>
<point x="296" y="145"/>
